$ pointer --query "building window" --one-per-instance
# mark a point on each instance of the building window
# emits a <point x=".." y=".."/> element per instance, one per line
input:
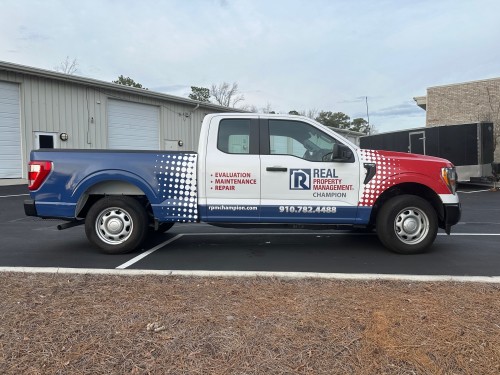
<point x="46" y="140"/>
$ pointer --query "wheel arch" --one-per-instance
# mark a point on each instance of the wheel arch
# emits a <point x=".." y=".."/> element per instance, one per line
<point x="110" y="187"/>
<point x="411" y="188"/>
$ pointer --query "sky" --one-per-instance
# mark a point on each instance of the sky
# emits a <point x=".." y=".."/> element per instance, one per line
<point x="286" y="55"/>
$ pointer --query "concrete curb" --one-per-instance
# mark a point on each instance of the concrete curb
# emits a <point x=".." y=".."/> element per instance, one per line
<point x="263" y="274"/>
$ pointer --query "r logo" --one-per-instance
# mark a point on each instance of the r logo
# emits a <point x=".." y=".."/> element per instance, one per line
<point x="300" y="179"/>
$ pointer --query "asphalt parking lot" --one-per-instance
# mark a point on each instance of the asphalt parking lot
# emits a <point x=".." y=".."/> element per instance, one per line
<point x="473" y="249"/>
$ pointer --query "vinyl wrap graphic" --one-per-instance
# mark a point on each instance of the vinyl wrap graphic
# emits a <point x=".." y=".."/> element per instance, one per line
<point x="176" y="175"/>
<point x="387" y="169"/>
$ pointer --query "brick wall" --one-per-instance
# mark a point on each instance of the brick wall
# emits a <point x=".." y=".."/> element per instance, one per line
<point x="466" y="103"/>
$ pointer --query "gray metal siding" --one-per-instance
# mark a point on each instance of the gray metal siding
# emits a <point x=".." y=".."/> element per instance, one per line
<point x="50" y="105"/>
<point x="182" y="123"/>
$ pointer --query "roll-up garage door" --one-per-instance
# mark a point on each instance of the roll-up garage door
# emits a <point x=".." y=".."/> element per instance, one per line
<point x="10" y="131"/>
<point x="133" y="126"/>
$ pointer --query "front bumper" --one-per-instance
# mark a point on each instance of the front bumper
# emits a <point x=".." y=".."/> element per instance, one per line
<point x="452" y="214"/>
<point x="30" y="208"/>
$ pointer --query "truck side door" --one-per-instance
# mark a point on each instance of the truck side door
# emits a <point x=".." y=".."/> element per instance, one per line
<point x="300" y="182"/>
<point x="232" y="171"/>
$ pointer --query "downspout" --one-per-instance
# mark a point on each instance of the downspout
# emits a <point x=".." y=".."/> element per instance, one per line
<point x="191" y="123"/>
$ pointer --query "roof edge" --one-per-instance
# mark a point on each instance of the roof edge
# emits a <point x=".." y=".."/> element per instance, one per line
<point x="24" y="69"/>
<point x="466" y="83"/>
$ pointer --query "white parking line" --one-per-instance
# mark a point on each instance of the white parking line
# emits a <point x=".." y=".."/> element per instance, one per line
<point x="474" y="191"/>
<point x="280" y="234"/>
<point x="470" y="234"/>
<point x="15" y="195"/>
<point x="151" y="251"/>
<point x="146" y="253"/>
<point x="16" y="220"/>
<point x="478" y="223"/>
<point x="318" y="234"/>
<point x="321" y="234"/>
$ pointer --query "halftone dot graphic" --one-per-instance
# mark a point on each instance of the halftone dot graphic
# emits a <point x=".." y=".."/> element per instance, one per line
<point x="383" y="179"/>
<point x="177" y="172"/>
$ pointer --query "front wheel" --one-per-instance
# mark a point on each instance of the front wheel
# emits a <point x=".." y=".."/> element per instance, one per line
<point x="116" y="225"/>
<point x="407" y="224"/>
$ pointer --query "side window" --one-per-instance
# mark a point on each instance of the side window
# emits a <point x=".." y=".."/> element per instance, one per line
<point x="234" y="136"/>
<point x="299" y="139"/>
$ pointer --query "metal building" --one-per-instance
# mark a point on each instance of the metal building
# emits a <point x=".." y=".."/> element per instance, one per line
<point x="45" y="109"/>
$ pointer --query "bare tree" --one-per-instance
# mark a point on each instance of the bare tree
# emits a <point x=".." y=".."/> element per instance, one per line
<point x="67" y="66"/>
<point x="268" y="109"/>
<point x="226" y="95"/>
<point x="493" y="116"/>
<point x="250" y="108"/>
<point x="254" y="109"/>
<point x="311" y="113"/>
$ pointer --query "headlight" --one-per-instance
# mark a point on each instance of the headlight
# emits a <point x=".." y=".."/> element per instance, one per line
<point x="449" y="176"/>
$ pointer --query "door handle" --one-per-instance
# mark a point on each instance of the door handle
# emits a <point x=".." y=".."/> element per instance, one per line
<point x="276" y="169"/>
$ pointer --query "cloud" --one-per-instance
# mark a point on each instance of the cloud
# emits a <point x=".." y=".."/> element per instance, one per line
<point x="324" y="54"/>
<point x="408" y="109"/>
<point x="32" y="36"/>
<point x="354" y="100"/>
<point x="406" y="115"/>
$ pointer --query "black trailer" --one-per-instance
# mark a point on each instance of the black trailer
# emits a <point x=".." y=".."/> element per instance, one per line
<point x="468" y="146"/>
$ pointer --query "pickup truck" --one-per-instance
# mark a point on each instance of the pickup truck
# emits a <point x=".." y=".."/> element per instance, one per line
<point x="250" y="170"/>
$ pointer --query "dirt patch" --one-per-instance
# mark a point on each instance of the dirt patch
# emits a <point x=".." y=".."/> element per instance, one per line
<point x="88" y="324"/>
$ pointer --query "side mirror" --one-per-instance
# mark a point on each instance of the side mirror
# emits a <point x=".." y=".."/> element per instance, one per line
<point x="341" y="153"/>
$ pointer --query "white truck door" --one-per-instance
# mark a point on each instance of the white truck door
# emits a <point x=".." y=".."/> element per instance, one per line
<point x="300" y="182"/>
<point x="232" y="171"/>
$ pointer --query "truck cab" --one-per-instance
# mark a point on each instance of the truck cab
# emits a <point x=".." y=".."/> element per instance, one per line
<point x="280" y="169"/>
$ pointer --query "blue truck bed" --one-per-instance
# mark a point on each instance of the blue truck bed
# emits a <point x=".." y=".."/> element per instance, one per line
<point x="168" y="179"/>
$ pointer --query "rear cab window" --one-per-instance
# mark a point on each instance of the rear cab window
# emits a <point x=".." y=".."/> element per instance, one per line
<point x="238" y="136"/>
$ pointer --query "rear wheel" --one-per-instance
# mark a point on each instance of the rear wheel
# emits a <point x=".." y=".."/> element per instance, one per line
<point x="163" y="227"/>
<point x="116" y="225"/>
<point x="407" y="224"/>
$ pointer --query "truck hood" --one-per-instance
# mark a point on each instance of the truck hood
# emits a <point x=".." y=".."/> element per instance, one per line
<point x="394" y="168"/>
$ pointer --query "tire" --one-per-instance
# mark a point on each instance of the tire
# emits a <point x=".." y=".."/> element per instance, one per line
<point x="407" y="224"/>
<point x="163" y="227"/>
<point x="116" y="225"/>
